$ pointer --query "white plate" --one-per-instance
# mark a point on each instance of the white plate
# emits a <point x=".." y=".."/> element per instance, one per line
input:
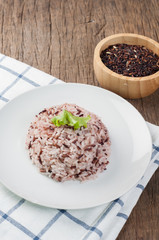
<point x="130" y="149"/>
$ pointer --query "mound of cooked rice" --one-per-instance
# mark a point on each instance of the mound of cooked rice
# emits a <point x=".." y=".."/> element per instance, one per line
<point x="63" y="153"/>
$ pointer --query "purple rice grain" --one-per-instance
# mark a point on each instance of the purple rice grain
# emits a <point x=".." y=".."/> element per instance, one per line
<point x="130" y="60"/>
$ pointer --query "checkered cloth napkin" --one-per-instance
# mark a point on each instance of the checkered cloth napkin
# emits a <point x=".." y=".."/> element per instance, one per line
<point x="20" y="219"/>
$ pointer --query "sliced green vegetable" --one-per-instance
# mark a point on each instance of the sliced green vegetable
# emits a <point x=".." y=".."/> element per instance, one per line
<point x="66" y="118"/>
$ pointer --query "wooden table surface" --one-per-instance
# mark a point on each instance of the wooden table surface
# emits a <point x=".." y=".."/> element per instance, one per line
<point x="59" y="37"/>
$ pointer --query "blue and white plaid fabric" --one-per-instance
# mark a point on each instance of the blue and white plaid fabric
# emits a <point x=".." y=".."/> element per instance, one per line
<point x="20" y="219"/>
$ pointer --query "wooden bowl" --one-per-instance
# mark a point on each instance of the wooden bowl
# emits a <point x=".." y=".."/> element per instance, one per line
<point x="127" y="87"/>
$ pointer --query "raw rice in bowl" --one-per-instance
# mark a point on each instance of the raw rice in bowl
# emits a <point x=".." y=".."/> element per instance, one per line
<point x="63" y="153"/>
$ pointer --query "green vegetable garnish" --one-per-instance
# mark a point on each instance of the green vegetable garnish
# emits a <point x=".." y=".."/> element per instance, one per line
<point x="66" y="118"/>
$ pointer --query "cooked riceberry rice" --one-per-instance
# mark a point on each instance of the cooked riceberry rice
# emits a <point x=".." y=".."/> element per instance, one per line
<point x="63" y="153"/>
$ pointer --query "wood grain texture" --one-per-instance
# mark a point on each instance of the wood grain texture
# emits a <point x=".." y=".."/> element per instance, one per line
<point x="59" y="37"/>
